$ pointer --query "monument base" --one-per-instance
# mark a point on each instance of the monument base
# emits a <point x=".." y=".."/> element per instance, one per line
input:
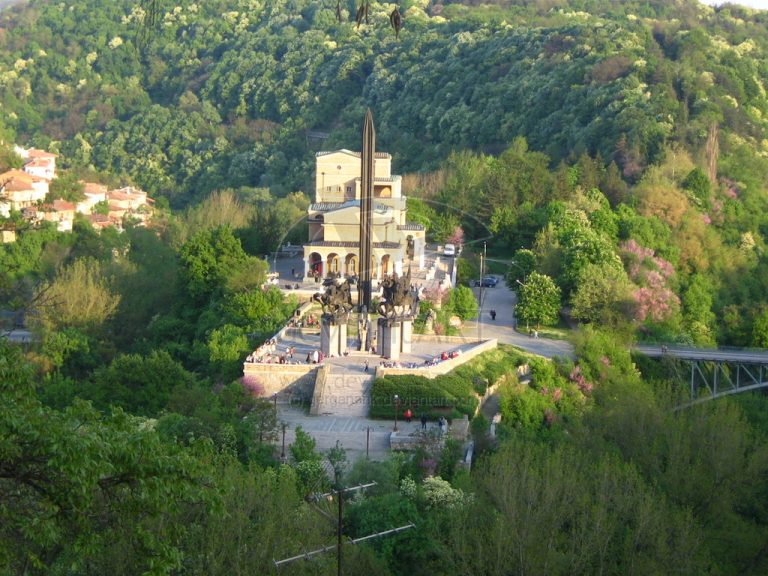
<point x="394" y="337"/>
<point x="406" y="336"/>
<point x="333" y="337"/>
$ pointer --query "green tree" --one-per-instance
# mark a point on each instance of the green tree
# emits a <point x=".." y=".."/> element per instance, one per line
<point x="538" y="300"/>
<point x="698" y="318"/>
<point x="228" y="346"/>
<point x="79" y="297"/>
<point x="760" y="330"/>
<point x="67" y="187"/>
<point x="77" y="480"/>
<point x="208" y="259"/>
<point x="698" y="184"/>
<point x="603" y="295"/>
<point x="523" y="263"/>
<point x="139" y="384"/>
<point x="463" y="303"/>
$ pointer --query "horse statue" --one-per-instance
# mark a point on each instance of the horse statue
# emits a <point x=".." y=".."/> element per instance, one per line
<point x="337" y="299"/>
<point x="397" y="296"/>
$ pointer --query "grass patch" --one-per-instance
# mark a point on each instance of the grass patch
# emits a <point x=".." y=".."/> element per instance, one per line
<point x="559" y="332"/>
<point x="451" y="395"/>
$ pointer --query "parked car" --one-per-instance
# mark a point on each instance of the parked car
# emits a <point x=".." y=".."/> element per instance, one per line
<point x="487" y="282"/>
<point x="449" y="250"/>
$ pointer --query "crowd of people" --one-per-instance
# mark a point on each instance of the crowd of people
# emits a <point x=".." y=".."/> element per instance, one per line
<point x="310" y="321"/>
<point x="268" y="353"/>
<point x="434" y="361"/>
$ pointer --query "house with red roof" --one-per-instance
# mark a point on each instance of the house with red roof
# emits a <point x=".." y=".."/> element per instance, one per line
<point x="38" y="162"/>
<point x="21" y="190"/>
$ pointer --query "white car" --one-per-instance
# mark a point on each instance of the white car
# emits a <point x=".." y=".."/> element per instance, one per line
<point x="449" y="250"/>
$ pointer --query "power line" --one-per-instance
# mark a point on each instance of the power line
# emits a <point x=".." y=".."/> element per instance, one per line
<point x="339" y="494"/>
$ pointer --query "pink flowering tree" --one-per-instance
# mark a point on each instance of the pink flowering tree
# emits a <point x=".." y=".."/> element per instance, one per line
<point x="655" y="300"/>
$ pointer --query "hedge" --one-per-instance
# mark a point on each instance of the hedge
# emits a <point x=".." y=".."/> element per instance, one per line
<point x="450" y="395"/>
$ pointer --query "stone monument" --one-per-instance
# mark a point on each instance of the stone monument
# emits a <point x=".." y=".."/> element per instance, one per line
<point x="337" y="304"/>
<point x="395" y="327"/>
<point x="366" y="211"/>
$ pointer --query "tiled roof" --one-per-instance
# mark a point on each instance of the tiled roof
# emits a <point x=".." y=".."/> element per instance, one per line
<point x="61" y="205"/>
<point x="20" y="174"/>
<point x="38" y="163"/>
<point x="94" y="188"/>
<point x="17" y="185"/>
<point x="35" y="153"/>
<point x="123" y="195"/>
<point x="129" y="190"/>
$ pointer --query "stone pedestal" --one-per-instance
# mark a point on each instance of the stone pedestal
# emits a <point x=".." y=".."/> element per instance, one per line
<point x="333" y="337"/>
<point x="394" y="337"/>
<point x="388" y="338"/>
<point x="406" y="336"/>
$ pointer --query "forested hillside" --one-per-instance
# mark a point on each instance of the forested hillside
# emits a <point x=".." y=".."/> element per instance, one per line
<point x="222" y="93"/>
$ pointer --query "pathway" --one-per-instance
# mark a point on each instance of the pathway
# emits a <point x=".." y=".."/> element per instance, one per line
<point x="350" y="432"/>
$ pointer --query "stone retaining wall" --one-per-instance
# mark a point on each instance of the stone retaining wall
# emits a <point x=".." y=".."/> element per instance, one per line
<point x="443" y="367"/>
<point x="295" y="380"/>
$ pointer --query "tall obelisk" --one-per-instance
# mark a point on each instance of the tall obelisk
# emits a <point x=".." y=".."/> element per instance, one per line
<point x="366" y="209"/>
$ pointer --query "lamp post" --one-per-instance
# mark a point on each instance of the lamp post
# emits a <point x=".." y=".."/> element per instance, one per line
<point x="525" y="275"/>
<point x="482" y="275"/>
<point x="282" y="453"/>
<point x="397" y="409"/>
<point x="480" y="294"/>
<point x="527" y="327"/>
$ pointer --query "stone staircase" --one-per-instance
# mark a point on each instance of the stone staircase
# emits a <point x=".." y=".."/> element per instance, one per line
<point x="343" y="394"/>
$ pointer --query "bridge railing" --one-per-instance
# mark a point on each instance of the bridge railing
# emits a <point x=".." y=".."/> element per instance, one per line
<point x="690" y="348"/>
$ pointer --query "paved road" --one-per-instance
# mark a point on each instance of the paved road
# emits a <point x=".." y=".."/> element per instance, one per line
<point x="502" y="300"/>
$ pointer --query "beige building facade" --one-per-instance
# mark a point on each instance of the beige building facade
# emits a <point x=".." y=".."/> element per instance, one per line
<point x="333" y="246"/>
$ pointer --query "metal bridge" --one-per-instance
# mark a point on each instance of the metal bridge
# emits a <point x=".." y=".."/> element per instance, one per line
<point x="721" y="371"/>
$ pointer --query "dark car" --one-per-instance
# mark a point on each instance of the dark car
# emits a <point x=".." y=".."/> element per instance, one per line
<point x="487" y="282"/>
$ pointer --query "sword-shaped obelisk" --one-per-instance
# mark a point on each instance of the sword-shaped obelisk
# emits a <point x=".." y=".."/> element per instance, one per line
<point x="366" y="209"/>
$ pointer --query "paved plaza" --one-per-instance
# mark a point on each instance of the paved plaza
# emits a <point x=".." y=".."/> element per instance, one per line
<point x="352" y="433"/>
<point x="305" y="342"/>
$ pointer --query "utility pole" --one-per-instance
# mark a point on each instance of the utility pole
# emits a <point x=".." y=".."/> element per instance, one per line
<point x="482" y="275"/>
<point x="339" y="494"/>
<point x="527" y="326"/>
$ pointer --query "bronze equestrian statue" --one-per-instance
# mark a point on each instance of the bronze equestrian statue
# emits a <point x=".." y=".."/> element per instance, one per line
<point x="337" y="299"/>
<point x="397" y="298"/>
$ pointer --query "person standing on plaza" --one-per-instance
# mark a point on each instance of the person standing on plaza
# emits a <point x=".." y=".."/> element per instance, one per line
<point x="408" y="415"/>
